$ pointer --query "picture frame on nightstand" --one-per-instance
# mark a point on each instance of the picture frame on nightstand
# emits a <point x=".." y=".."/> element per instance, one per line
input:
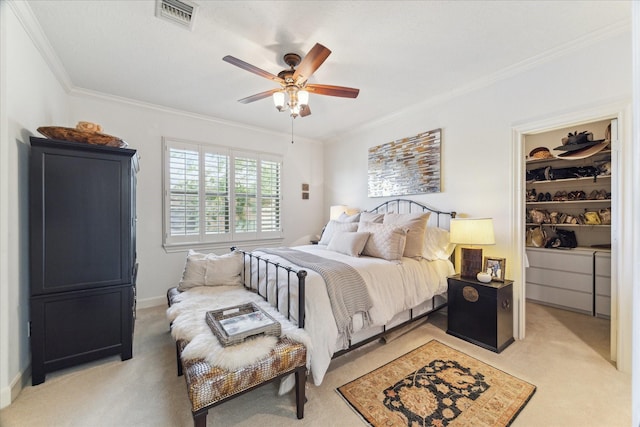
<point x="495" y="267"/>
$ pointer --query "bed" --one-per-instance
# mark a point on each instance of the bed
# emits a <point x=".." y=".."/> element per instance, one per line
<point x="400" y="290"/>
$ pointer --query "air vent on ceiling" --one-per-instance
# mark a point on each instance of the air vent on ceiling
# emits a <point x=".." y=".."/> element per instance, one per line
<point x="177" y="11"/>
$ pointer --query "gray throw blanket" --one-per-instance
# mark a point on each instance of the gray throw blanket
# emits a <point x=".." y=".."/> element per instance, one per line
<point x="346" y="288"/>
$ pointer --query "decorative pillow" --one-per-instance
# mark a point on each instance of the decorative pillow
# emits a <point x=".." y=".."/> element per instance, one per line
<point x="371" y="217"/>
<point x="334" y="226"/>
<point x="224" y="270"/>
<point x="386" y="241"/>
<point x="211" y="270"/>
<point x="195" y="270"/>
<point x="437" y="244"/>
<point x="348" y="242"/>
<point x="345" y="217"/>
<point x="416" y="223"/>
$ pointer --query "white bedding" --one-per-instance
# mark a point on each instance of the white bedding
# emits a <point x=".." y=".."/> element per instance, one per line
<point x="394" y="287"/>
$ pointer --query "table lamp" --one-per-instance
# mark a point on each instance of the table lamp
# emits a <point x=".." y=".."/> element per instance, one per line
<point x="471" y="231"/>
<point x="336" y="210"/>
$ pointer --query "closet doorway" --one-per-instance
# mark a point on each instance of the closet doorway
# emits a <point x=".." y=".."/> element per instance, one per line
<point x="568" y="214"/>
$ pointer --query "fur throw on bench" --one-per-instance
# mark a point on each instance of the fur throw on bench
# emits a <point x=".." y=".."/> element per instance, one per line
<point x="187" y="316"/>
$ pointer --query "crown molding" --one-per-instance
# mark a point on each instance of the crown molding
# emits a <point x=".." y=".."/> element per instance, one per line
<point x="30" y="23"/>
<point x="604" y="33"/>
<point x="91" y="94"/>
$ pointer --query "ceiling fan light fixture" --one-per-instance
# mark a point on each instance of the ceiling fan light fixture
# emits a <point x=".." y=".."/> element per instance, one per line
<point x="303" y="97"/>
<point x="278" y="100"/>
<point x="295" y="110"/>
<point x="293" y="94"/>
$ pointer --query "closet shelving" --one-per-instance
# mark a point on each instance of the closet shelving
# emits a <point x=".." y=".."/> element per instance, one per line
<point x="573" y="207"/>
<point x="575" y="279"/>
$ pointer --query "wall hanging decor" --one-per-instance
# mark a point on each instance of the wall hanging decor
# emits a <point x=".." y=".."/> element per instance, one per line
<point x="405" y="166"/>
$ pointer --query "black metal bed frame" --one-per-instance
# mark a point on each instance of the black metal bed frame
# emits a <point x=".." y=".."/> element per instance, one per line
<point x="271" y="267"/>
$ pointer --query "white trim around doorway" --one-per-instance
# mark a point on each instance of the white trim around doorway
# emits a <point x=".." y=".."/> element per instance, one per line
<point x="622" y="264"/>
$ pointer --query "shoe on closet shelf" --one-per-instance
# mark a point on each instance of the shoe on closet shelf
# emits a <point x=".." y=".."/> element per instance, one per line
<point x="561" y="196"/>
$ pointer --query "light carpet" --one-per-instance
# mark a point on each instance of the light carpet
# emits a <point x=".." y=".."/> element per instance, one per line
<point x="436" y="385"/>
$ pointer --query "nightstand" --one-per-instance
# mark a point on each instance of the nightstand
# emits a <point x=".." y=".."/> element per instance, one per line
<point x="481" y="313"/>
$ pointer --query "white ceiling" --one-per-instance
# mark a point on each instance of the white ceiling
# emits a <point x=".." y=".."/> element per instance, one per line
<point x="398" y="53"/>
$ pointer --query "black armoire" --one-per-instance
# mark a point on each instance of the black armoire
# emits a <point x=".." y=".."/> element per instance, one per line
<point x="82" y="253"/>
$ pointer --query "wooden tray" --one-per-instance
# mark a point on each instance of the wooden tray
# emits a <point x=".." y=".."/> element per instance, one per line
<point x="233" y="325"/>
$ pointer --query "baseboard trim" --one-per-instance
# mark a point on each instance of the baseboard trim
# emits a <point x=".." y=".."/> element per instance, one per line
<point x="5" y="397"/>
<point x="151" y="302"/>
<point x="10" y="393"/>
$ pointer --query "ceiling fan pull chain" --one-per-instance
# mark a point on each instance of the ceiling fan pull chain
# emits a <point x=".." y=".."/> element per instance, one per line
<point x="292" y="130"/>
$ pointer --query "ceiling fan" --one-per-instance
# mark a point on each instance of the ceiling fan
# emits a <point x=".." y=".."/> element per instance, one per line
<point x="293" y="82"/>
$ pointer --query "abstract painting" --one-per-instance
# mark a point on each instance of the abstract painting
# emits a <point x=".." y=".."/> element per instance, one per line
<point x="405" y="166"/>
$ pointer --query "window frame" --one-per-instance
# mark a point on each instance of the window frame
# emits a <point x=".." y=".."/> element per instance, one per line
<point x="218" y="240"/>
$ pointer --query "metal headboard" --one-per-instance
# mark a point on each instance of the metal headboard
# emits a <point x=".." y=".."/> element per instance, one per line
<point x="409" y="206"/>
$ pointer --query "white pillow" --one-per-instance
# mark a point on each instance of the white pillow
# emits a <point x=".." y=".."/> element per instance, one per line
<point x="437" y="244"/>
<point x="195" y="270"/>
<point x="386" y="241"/>
<point x="348" y="242"/>
<point x="345" y="217"/>
<point x="224" y="270"/>
<point x="371" y="217"/>
<point x="334" y="226"/>
<point x="211" y="270"/>
<point x="416" y="223"/>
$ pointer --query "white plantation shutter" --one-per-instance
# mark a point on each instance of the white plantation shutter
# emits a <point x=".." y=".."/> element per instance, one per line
<point x="246" y="193"/>
<point x="214" y="194"/>
<point x="184" y="195"/>
<point x="216" y="209"/>
<point x="270" y="195"/>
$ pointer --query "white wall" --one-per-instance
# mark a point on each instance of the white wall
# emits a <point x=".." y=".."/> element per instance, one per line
<point x="31" y="97"/>
<point x="143" y="127"/>
<point x="476" y="130"/>
<point x="478" y="175"/>
<point x="635" y="231"/>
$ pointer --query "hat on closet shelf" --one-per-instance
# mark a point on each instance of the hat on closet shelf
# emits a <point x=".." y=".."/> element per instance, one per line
<point x="578" y="141"/>
<point x="585" y="152"/>
<point x="580" y="145"/>
<point x="540" y="153"/>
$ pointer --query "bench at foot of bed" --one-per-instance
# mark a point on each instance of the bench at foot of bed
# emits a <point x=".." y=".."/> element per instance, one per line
<point x="209" y="386"/>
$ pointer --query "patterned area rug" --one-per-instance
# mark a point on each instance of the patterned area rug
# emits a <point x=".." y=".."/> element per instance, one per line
<point x="435" y="385"/>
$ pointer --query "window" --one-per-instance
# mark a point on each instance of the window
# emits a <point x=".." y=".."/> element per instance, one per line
<point x="216" y="194"/>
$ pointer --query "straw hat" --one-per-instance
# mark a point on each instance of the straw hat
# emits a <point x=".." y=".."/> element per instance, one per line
<point x="540" y="153"/>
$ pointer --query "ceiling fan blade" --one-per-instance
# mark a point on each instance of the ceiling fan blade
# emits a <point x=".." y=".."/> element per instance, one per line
<point x="305" y="111"/>
<point x="258" y="96"/>
<point x="310" y="63"/>
<point x="344" y="92"/>
<point x="252" y="68"/>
